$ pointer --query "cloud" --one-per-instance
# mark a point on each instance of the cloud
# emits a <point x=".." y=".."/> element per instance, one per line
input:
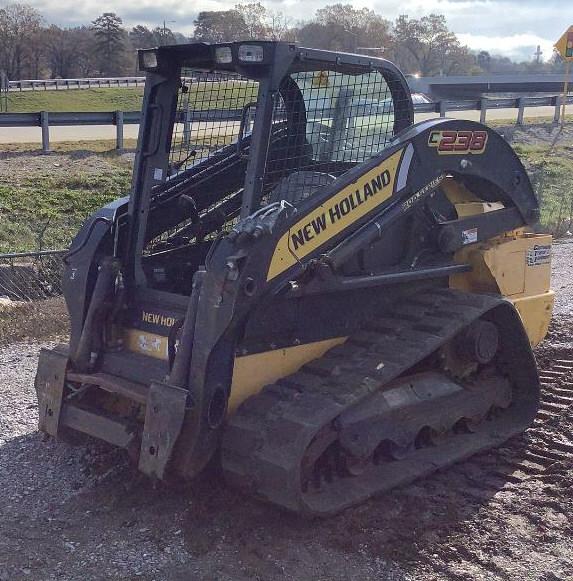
<point x="516" y="46"/>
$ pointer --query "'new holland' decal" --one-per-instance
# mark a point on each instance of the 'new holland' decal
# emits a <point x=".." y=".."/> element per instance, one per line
<point x="335" y="215"/>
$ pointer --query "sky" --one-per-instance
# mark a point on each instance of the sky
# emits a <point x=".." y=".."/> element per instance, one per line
<point x="512" y="28"/>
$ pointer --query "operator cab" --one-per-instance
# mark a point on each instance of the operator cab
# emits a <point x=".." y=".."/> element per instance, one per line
<point x="229" y="128"/>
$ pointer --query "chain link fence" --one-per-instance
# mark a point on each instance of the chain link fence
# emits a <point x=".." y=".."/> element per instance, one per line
<point x="31" y="276"/>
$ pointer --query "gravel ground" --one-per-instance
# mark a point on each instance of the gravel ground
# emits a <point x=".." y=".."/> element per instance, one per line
<point x="562" y="282"/>
<point x="84" y="512"/>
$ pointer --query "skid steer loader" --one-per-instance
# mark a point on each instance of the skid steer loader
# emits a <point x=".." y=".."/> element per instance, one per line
<point x="304" y="285"/>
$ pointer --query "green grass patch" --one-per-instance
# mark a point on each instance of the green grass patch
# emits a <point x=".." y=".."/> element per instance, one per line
<point x="76" y="100"/>
<point x="44" y="208"/>
<point x="201" y="97"/>
<point x="551" y="173"/>
<point x="527" y="121"/>
<point x="45" y="212"/>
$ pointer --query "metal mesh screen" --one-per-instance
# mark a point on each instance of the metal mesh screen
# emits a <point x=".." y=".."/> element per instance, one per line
<point x="210" y="107"/>
<point x="30" y="276"/>
<point x="327" y="122"/>
<point x="323" y="124"/>
<point x="208" y="117"/>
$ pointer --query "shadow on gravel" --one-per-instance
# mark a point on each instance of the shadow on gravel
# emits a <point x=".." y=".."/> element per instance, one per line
<point x="57" y="498"/>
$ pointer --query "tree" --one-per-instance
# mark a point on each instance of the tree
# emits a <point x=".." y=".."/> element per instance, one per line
<point x="220" y="26"/>
<point x="342" y="27"/>
<point x="484" y="60"/>
<point x="279" y="27"/>
<point x="20" y="26"/>
<point x="255" y="17"/>
<point x="163" y="36"/>
<point x="110" y="43"/>
<point x="426" y="45"/>
<point x="70" y="52"/>
<point x="141" y="37"/>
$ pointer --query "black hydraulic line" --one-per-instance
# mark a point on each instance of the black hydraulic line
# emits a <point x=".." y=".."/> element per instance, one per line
<point x="348" y="282"/>
<point x="334" y="283"/>
<point x="372" y="230"/>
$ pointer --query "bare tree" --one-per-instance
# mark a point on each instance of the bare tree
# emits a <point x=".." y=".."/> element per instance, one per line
<point x="19" y="26"/>
<point x="343" y="27"/>
<point x="255" y="17"/>
<point x="279" y="27"/>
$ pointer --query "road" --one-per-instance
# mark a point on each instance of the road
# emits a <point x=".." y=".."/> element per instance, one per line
<point x="96" y="132"/>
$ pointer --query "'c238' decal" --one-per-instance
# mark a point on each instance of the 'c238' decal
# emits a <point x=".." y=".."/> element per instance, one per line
<point x="458" y="142"/>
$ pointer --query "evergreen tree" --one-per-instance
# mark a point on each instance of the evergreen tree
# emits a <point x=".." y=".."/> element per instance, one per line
<point x="110" y="43"/>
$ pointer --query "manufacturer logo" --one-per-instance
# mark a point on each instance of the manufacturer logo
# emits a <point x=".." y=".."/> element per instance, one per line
<point x="458" y="142"/>
<point x="157" y="319"/>
<point x="335" y="214"/>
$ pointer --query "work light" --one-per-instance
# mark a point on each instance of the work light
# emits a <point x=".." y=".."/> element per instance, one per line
<point x="223" y="55"/>
<point x="251" y="53"/>
<point x="147" y="60"/>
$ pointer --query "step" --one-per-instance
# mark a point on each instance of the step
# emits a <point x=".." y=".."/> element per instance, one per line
<point x="129" y="389"/>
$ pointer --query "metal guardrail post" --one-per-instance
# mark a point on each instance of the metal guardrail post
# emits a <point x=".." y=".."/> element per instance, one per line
<point x="45" y="124"/>
<point x="521" y="110"/>
<point x="557" y="114"/>
<point x="186" y="127"/>
<point x="119" y="130"/>
<point x="482" y="110"/>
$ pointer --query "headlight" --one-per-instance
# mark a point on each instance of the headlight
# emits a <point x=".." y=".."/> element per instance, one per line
<point x="147" y="60"/>
<point x="223" y="55"/>
<point x="251" y="53"/>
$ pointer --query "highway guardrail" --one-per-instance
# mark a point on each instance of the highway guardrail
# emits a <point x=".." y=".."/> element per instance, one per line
<point x="45" y="119"/>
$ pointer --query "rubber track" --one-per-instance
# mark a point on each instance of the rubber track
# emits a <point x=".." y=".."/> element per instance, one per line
<point x="486" y="479"/>
<point x="265" y="440"/>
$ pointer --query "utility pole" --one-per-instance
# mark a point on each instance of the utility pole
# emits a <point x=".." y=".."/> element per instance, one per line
<point x="164" y="31"/>
<point x="538" y="54"/>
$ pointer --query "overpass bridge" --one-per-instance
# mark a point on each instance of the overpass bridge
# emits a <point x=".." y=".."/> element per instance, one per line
<point x="473" y="87"/>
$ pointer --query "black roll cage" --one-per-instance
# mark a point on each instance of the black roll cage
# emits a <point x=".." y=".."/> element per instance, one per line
<point x="160" y="105"/>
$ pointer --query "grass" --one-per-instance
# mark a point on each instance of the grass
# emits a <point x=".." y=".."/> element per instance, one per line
<point x="76" y="100"/>
<point x="551" y="173"/>
<point x="45" y="210"/>
<point x="527" y="121"/>
<point x="201" y="96"/>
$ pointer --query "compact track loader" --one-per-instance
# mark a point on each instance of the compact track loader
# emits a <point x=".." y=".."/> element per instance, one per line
<point x="305" y="285"/>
